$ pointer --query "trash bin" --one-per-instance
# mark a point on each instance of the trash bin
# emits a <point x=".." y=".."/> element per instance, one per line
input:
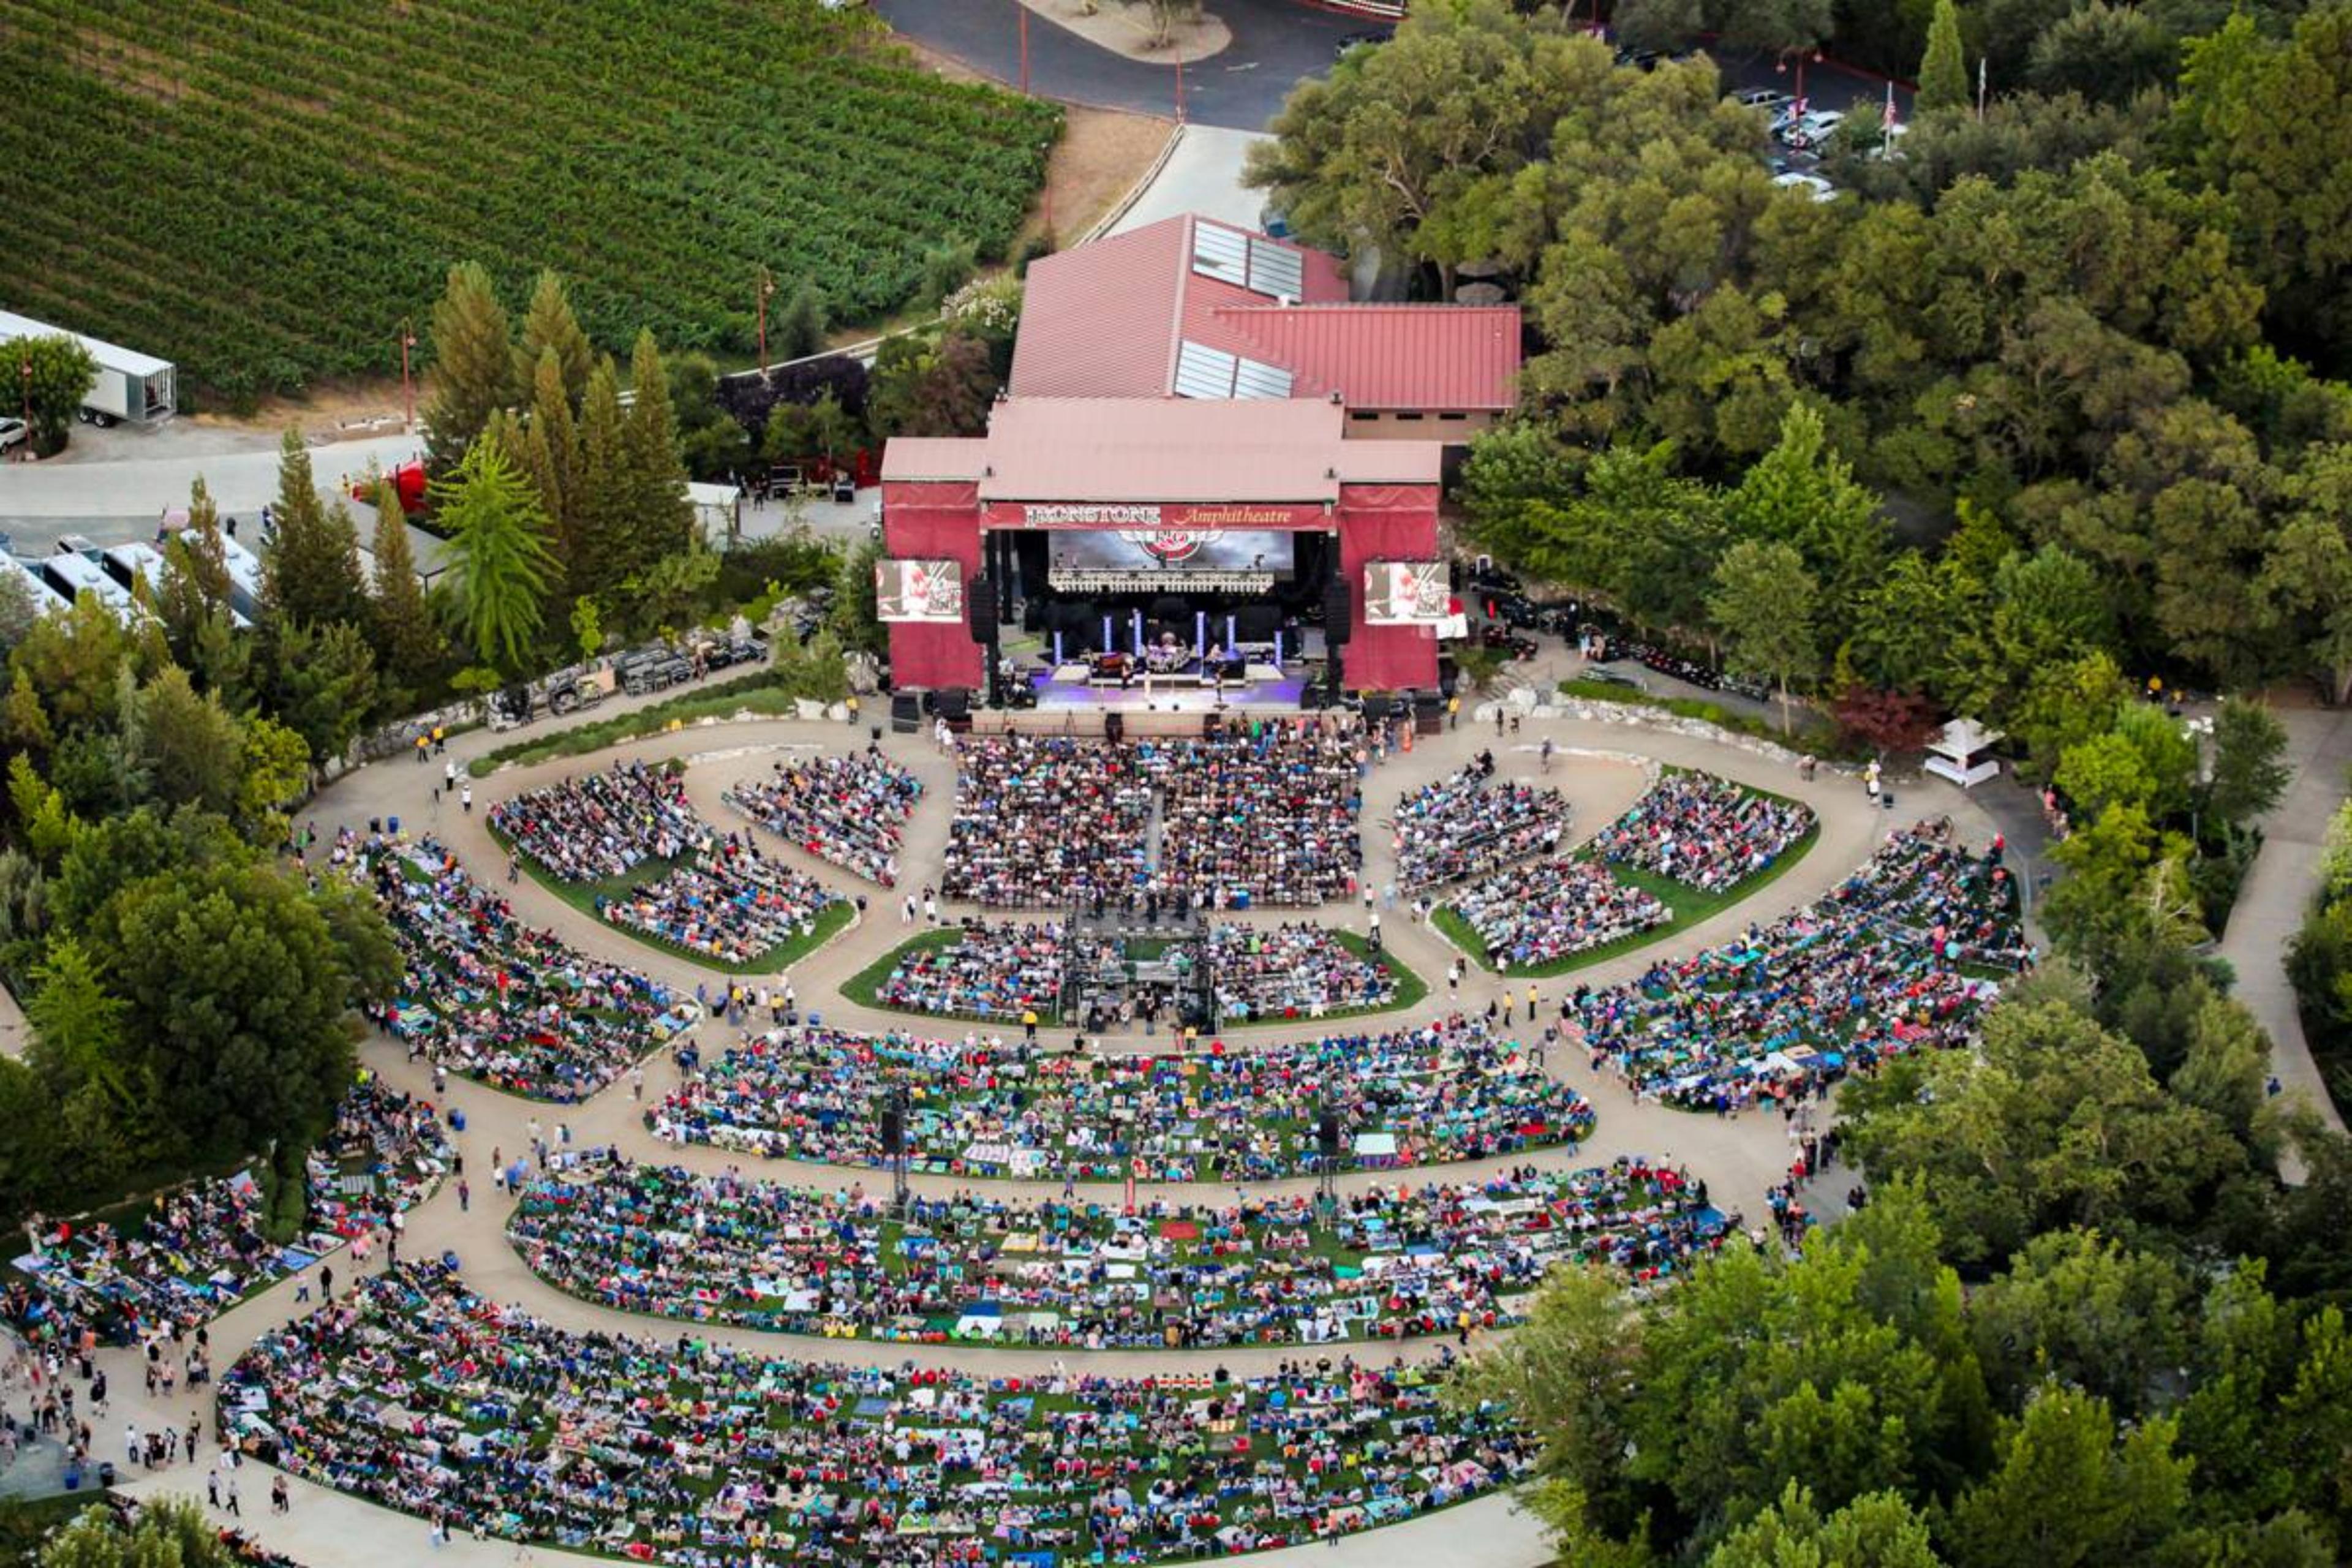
<point x="458" y="1121"/>
<point x="106" y="1472"/>
<point x="393" y="826"/>
<point x="449" y="1261"/>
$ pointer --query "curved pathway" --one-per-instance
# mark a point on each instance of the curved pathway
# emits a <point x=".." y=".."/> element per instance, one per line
<point x="2278" y="894"/>
<point x="1601" y="769"/>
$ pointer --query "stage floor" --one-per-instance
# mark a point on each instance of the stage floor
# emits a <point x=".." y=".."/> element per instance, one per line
<point x="1069" y="695"/>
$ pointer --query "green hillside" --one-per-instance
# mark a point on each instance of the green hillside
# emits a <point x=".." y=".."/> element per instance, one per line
<point x="261" y="189"/>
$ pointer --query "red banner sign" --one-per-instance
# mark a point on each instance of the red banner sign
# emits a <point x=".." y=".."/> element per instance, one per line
<point x="1154" y="517"/>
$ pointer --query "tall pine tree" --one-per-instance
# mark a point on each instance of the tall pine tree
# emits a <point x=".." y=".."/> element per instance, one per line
<point x="310" y="568"/>
<point x="1943" y="73"/>
<point x="407" y="645"/>
<point x="603" y="502"/>
<point x="549" y="326"/>
<point x="473" y="363"/>
<point x="553" y="457"/>
<point x="665" y="517"/>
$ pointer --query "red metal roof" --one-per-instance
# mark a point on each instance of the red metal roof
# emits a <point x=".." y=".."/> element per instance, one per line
<point x="1385" y="357"/>
<point x="1172" y="449"/>
<point x="1105" y="321"/>
<point x="1162" y="449"/>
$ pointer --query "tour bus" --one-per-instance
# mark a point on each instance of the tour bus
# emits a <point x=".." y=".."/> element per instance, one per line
<point x="73" y="574"/>
<point x="126" y="563"/>
<point x="46" y="600"/>
<point x="244" y="578"/>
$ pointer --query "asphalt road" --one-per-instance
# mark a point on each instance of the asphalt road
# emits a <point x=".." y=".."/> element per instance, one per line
<point x="1276" y="43"/>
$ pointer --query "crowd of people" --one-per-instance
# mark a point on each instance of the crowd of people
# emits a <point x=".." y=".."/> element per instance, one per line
<point x="512" y="1006"/>
<point x="1294" y="970"/>
<point x="1047" y="821"/>
<point x="850" y="811"/>
<point x="1466" y="826"/>
<point x="713" y="895"/>
<point x="1704" y="831"/>
<point x="1900" y="955"/>
<point x="417" y="1393"/>
<point x="1529" y="915"/>
<point x="993" y="970"/>
<point x="1432" y="1259"/>
<point x="1261" y="814"/>
<point x="199" y="1250"/>
<point x="602" y="826"/>
<point x="1455" y="1089"/>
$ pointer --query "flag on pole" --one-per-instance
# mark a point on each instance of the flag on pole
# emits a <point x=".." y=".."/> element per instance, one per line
<point x="1888" y="119"/>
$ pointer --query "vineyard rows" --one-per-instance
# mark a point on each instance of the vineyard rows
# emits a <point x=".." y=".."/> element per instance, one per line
<point x="261" y="189"/>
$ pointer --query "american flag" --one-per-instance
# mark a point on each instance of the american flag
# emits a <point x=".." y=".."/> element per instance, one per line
<point x="1887" y="119"/>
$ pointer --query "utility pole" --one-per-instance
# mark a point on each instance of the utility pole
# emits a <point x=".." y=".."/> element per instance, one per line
<point x="1022" y="13"/>
<point x="407" y="386"/>
<point x="767" y="287"/>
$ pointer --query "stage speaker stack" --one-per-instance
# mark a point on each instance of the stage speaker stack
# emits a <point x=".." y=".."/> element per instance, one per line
<point x="1114" y="727"/>
<point x="893" y="1132"/>
<point x="980" y="608"/>
<point x="1428" y="712"/>
<point x="906" y="712"/>
<point x="955" y="704"/>
<point x="1327" y="1135"/>
<point x="1377" y="707"/>
<point x="1339" y="615"/>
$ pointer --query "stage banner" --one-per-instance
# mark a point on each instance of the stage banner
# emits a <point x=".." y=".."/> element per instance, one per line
<point x="918" y="591"/>
<point x="1148" y="518"/>
<point x="1405" y="593"/>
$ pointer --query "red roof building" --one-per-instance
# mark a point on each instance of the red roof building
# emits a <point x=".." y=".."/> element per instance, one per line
<point x="1190" y="380"/>
<point x="1191" y="308"/>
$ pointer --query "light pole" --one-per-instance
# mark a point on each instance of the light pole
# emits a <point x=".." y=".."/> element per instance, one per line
<point x="28" y="409"/>
<point x="1022" y="13"/>
<point x="767" y="287"/>
<point x="1180" y="82"/>
<point x="1782" y="67"/>
<point x="407" y="386"/>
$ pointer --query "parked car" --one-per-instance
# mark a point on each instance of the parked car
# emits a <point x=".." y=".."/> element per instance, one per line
<point x="1763" y="98"/>
<point x="1349" y="43"/>
<point x="1608" y="677"/>
<point x="1814" y="127"/>
<point x="1820" y="190"/>
<point x="1640" y="59"/>
<point x="13" y="432"/>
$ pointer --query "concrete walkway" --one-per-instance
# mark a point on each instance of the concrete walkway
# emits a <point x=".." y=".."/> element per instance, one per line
<point x="2278" y="894"/>
<point x="1600" y="769"/>
<point x="1202" y="175"/>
